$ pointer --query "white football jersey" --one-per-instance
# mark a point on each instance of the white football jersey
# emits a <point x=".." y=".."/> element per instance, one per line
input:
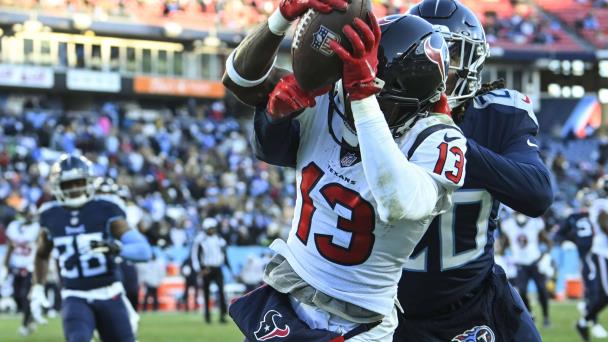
<point x="337" y="242"/>
<point x="600" y="239"/>
<point x="523" y="240"/>
<point x="23" y="238"/>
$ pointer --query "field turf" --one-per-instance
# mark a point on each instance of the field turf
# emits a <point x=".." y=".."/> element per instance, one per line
<point x="178" y="327"/>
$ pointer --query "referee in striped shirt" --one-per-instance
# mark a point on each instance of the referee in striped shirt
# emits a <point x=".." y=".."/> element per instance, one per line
<point x="208" y="257"/>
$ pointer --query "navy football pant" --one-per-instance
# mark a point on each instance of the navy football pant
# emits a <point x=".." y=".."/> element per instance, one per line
<point x="598" y="289"/>
<point x="525" y="273"/>
<point x="22" y="281"/>
<point x="110" y="317"/>
<point x="494" y="313"/>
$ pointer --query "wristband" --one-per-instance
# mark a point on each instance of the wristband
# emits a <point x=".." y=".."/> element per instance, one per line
<point x="277" y="23"/>
<point x="238" y="79"/>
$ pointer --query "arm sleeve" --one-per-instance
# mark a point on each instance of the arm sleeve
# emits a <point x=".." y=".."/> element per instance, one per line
<point x="402" y="189"/>
<point x="517" y="177"/>
<point x="135" y="247"/>
<point x="275" y="142"/>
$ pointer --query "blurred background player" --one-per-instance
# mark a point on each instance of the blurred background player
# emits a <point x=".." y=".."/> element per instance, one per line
<point x="598" y="215"/>
<point x="523" y="236"/>
<point x="450" y="286"/>
<point x="577" y="228"/>
<point x="19" y="261"/>
<point x="208" y="258"/>
<point x="88" y="233"/>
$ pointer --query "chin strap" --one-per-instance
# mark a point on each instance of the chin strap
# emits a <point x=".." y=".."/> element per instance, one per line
<point x="442" y="106"/>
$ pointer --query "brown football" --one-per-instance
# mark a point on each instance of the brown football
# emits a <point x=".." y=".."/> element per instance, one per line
<point x="314" y="64"/>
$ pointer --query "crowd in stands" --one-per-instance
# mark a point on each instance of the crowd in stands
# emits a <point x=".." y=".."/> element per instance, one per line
<point x="181" y="166"/>
<point x="524" y="26"/>
<point x="517" y="22"/>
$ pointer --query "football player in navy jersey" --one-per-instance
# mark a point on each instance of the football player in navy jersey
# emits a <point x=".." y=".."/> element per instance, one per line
<point x="87" y="232"/>
<point x="451" y="289"/>
<point x="577" y="228"/>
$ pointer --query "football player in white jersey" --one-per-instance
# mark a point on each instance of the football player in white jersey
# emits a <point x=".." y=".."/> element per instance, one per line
<point x="375" y="163"/>
<point x="19" y="261"/>
<point x="523" y="236"/>
<point x="598" y="299"/>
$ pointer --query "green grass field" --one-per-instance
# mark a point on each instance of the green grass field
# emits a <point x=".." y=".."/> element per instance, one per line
<point x="178" y="327"/>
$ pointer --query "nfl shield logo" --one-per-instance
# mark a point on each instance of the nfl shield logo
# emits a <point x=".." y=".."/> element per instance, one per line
<point x="348" y="159"/>
<point x="321" y="40"/>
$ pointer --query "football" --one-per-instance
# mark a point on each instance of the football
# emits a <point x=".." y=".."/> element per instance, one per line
<point x="314" y="64"/>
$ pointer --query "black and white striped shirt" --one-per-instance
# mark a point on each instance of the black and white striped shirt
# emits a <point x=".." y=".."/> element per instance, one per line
<point x="208" y="251"/>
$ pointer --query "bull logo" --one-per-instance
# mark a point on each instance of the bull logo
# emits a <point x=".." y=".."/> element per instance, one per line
<point x="436" y="50"/>
<point x="268" y="328"/>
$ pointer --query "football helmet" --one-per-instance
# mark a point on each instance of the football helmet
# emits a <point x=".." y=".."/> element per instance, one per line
<point x="466" y="39"/>
<point x="413" y="62"/>
<point x="72" y="181"/>
<point x="107" y="186"/>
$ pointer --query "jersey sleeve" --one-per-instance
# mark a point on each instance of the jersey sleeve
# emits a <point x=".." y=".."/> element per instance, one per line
<point x="440" y="150"/>
<point x="514" y="174"/>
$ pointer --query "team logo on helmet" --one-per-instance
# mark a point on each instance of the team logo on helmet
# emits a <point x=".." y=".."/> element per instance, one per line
<point x="436" y="50"/>
<point x="480" y="333"/>
<point x="321" y="40"/>
<point x="268" y="328"/>
<point x="389" y="19"/>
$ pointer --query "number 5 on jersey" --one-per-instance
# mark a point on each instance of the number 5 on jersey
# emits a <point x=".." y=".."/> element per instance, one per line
<point x="361" y="223"/>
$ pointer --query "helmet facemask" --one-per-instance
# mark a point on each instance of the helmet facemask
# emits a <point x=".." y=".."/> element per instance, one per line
<point x="467" y="56"/>
<point x="73" y="187"/>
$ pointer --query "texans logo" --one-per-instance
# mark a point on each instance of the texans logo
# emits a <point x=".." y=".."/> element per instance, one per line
<point x="478" y="334"/>
<point x="268" y="327"/>
<point x="436" y="50"/>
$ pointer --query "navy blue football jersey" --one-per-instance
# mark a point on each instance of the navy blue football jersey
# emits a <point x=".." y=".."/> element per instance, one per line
<point x="578" y="229"/>
<point x="72" y="230"/>
<point x="456" y="254"/>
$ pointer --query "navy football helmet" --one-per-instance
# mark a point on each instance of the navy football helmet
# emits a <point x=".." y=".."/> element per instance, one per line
<point x="72" y="181"/>
<point x="413" y="63"/>
<point x="466" y="39"/>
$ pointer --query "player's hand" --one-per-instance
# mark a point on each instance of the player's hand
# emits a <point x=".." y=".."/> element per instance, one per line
<point x="293" y="9"/>
<point x="38" y="302"/>
<point x="360" y="67"/>
<point x="287" y="97"/>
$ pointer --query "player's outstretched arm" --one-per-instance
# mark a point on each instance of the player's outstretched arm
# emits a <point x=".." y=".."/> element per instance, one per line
<point x="517" y="177"/>
<point x="250" y="72"/>
<point x="403" y="190"/>
<point x="133" y="245"/>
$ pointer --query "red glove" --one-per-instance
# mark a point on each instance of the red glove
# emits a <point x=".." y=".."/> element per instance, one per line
<point x="293" y="9"/>
<point x="360" y="67"/>
<point x="287" y="97"/>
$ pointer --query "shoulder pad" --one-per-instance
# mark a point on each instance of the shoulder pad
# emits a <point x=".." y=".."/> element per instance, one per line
<point x="46" y="206"/>
<point x="506" y="101"/>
